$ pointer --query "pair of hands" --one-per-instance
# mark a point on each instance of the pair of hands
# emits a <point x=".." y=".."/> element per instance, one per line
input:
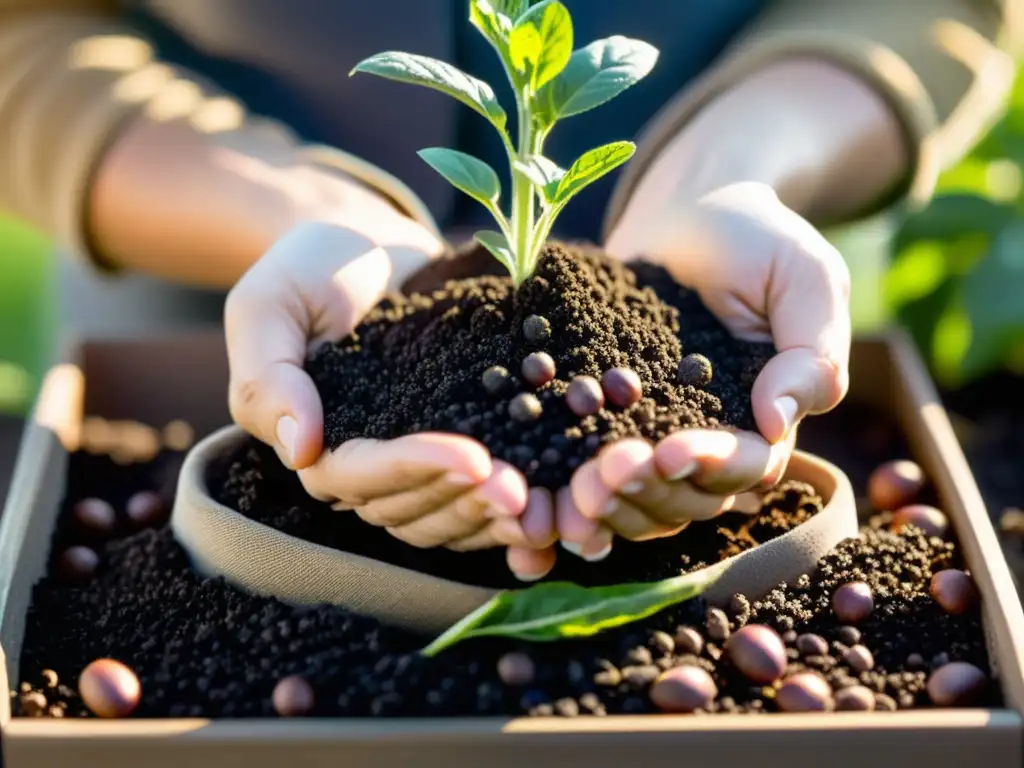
<point x="764" y="271"/>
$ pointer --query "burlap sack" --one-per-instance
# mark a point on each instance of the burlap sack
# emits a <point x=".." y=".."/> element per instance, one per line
<point x="255" y="557"/>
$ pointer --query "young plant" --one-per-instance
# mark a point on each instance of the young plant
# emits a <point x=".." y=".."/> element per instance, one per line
<point x="551" y="82"/>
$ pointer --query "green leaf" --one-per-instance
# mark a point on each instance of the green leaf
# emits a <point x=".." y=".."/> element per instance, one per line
<point x="594" y="75"/>
<point x="496" y="243"/>
<point x="541" y="42"/>
<point x="591" y="166"/>
<point x="992" y="300"/>
<point x="557" y="610"/>
<point x="544" y="174"/>
<point x="951" y="216"/>
<point x="423" y="70"/>
<point x="464" y="172"/>
<point x="493" y="23"/>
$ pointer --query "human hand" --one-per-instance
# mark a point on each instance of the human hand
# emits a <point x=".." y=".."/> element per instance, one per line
<point x="768" y="275"/>
<point x="314" y="285"/>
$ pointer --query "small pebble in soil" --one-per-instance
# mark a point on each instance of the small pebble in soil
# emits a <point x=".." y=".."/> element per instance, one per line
<point x="622" y="386"/>
<point x="848" y="635"/>
<point x="683" y="689"/>
<point x="538" y="368"/>
<point x="956" y="684"/>
<point x="885" y="703"/>
<point x="859" y="659"/>
<point x="146" y="509"/>
<point x="853" y="602"/>
<point x="689" y="641"/>
<point x="855" y="698"/>
<point x="895" y="484"/>
<point x="516" y="669"/>
<point x="495" y="380"/>
<point x="94" y="518"/>
<point x="695" y="371"/>
<point x="525" y="407"/>
<point x="109" y="688"/>
<point x="812" y="645"/>
<point x="717" y="625"/>
<point x="33" y="703"/>
<point x="77" y="564"/>
<point x="663" y="642"/>
<point x="929" y="519"/>
<point x="584" y="396"/>
<point x="954" y="591"/>
<point x="758" y="652"/>
<point x="536" y="329"/>
<point x="293" y="696"/>
<point x="804" y="692"/>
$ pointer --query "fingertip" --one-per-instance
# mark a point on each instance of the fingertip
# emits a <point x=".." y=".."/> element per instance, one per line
<point x="505" y="491"/>
<point x="453" y="454"/>
<point x="623" y="461"/>
<point x="588" y="491"/>
<point x="530" y="565"/>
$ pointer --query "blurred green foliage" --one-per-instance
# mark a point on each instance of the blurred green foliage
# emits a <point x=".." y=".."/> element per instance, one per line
<point x="956" y="279"/>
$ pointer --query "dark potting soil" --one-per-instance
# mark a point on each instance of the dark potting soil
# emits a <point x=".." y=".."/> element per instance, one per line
<point x="203" y="648"/>
<point x="416" y="362"/>
<point x="254" y="482"/>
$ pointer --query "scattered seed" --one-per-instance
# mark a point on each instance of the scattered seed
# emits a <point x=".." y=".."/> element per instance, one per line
<point x="78" y="564"/>
<point x="954" y="591"/>
<point x="33" y="703"/>
<point x="525" y="407"/>
<point x="885" y="703"/>
<point x="689" y="640"/>
<point x="717" y="625"/>
<point x="855" y="698"/>
<point x="859" y="659"/>
<point x="853" y="602"/>
<point x="146" y="509"/>
<point x="915" y="661"/>
<point x="789" y="637"/>
<point x="804" y="692"/>
<point x="695" y="371"/>
<point x="610" y="677"/>
<point x="848" y="635"/>
<point x="640" y="676"/>
<point x="516" y="669"/>
<point x="95" y="518"/>
<point x="538" y="368"/>
<point x="895" y="484"/>
<point x="683" y="689"/>
<point x="536" y="329"/>
<point x="758" y="652"/>
<point x="109" y="688"/>
<point x="812" y="645"/>
<point x="584" y="396"/>
<point x="50" y="679"/>
<point x="567" y="707"/>
<point x="956" y="684"/>
<point x="640" y="656"/>
<point x="293" y="697"/>
<point x="622" y="386"/>
<point x="495" y="380"/>
<point x="929" y="519"/>
<point x="663" y="642"/>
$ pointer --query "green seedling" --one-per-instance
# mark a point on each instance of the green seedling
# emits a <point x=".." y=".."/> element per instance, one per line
<point x="551" y="82"/>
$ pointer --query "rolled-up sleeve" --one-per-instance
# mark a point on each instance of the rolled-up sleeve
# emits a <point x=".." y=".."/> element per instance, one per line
<point x="944" y="66"/>
<point x="71" y="76"/>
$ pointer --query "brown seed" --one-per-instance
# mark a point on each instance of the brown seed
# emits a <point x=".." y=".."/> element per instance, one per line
<point x="683" y="689"/>
<point x="956" y="684"/>
<point x="33" y="703"/>
<point x="717" y="625"/>
<point x="109" y="688"/>
<point x="293" y="697"/>
<point x="885" y="703"/>
<point x="538" y="368"/>
<point x="915" y="661"/>
<point x="758" y="652"/>
<point x="789" y="637"/>
<point x="954" y="591"/>
<point x="663" y="641"/>
<point x="622" y="386"/>
<point x="895" y="484"/>
<point x="610" y="677"/>
<point x="855" y="698"/>
<point x="689" y="640"/>
<point x="77" y="565"/>
<point x="516" y="669"/>
<point x="929" y="519"/>
<point x="146" y="509"/>
<point x="848" y="635"/>
<point x="525" y="407"/>
<point x="95" y="518"/>
<point x="50" y="679"/>
<point x="495" y="379"/>
<point x="859" y="658"/>
<point x="695" y="371"/>
<point x="812" y="645"/>
<point x="853" y="602"/>
<point x="804" y="692"/>
<point x="584" y="396"/>
<point x="536" y="329"/>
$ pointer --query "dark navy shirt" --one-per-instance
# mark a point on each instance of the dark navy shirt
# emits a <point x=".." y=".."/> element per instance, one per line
<point x="289" y="59"/>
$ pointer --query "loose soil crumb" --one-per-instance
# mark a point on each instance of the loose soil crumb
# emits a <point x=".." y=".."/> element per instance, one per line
<point x="254" y="482"/>
<point x="203" y="648"/>
<point x="416" y="361"/>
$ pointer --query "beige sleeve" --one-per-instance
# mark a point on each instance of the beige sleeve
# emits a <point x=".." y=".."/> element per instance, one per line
<point x="71" y="76"/>
<point x="945" y="67"/>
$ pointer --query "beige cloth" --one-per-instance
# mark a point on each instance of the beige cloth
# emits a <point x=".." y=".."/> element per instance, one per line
<point x="71" y="76"/>
<point x="224" y="543"/>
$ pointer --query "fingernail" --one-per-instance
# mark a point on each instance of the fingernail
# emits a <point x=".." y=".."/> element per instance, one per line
<point x="786" y="407"/>
<point x="598" y="556"/>
<point x="460" y="481"/>
<point x="632" y="487"/>
<point x="573" y="547"/>
<point x="687" y="470"/>
<point x="528" y="577"/>
<point x="286" y="432"/>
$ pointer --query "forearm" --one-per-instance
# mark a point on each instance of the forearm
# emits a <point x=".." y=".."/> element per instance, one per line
<point x="820" y="136"/>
